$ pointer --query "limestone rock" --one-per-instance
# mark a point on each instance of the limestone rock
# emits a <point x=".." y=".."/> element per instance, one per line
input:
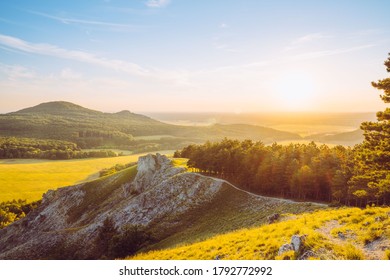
<point x="152" y="169"/>
<point x="285" y="248"/>
<point x="297" y="242"/>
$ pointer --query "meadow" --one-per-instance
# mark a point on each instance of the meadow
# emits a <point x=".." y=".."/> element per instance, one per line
<point x="345" y="233"/>
<point x="28" y="179"/>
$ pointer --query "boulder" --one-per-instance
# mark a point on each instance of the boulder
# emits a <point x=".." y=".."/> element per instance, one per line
<point x="297" y="242"/>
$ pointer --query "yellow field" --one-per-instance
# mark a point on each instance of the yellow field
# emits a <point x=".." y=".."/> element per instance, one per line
<point x="29" y="179"/>
<point x="118" y="151"/>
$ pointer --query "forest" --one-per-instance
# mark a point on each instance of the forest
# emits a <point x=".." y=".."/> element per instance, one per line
<point x="30" y="148"/>
<point x="298" y="171"/>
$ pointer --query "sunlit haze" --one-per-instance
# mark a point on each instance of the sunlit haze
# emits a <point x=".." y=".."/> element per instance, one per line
<point x="194" y="56"/>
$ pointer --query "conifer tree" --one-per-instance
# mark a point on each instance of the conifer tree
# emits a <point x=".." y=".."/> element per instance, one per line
<point x="372" y="179"/>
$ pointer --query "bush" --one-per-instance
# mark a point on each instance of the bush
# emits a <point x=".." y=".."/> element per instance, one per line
<point x="112" y="243"/>
<point x="133" y="238"/>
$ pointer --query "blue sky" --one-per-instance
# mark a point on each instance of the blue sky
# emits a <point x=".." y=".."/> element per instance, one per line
<point x="194" y="55"/>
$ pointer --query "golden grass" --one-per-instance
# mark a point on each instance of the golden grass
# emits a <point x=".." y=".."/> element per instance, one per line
<point x="264" y="242"/>
<point x="180" y="162"/>
<point x="29" y="179"/>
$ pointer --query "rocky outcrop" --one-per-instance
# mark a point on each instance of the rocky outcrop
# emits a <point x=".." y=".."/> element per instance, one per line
<point x="158" y="192"/>
<point x="152" y="170"/>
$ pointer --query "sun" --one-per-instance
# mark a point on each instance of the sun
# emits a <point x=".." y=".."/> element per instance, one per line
<point x="294" y="90"/>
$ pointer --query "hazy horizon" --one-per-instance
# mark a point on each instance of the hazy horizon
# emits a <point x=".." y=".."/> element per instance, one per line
<point x="194" y="56"/>
<point x="173" y="112"/>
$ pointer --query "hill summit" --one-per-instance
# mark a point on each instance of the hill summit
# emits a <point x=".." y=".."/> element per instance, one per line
<point x="56" y="108"/>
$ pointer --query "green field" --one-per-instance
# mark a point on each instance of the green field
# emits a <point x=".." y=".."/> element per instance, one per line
<point x="29" y="179"/>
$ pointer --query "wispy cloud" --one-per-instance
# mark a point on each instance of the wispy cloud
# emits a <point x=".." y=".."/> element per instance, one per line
<point x="223" y="25"/>
<point x="309" y="38"/>
<point x="263" y="65"/>
<point x="113" y="26"/>
<point x="317" y="54"/>
<point x="70" y="74"/>
<point x="305" y="39"/>
<point x="16" y="72"/>
<point x="81" y="56"/>
<point x="219" y="44"/>
<point x="157" y="3"/>
<point x="7" y="21"/>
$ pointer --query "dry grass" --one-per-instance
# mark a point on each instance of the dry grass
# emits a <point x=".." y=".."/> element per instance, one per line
<point x="264" y="242"/>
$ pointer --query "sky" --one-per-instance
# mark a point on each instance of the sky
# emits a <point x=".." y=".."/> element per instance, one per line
<point x="194" y="55"/>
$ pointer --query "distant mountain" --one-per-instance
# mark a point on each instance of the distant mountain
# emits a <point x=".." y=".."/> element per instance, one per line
<point x="56" y="108"/>
<point x="89" y="128"/>
<point x="159" y="198"/>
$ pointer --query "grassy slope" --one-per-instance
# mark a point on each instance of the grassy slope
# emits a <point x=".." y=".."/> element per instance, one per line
<point x="29" y="179"/>
<point x="98" y="194"/>
<point x="347" y="233"/>
<point x="229" y="210"/>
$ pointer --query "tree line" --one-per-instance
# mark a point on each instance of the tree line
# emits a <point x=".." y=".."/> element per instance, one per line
<point x="299" y="171"/>
<point x="30" y="148"/>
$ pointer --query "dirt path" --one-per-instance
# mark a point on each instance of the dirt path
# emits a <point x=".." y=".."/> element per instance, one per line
<point x="261" y="196"/>
<point x="373" y="251"/>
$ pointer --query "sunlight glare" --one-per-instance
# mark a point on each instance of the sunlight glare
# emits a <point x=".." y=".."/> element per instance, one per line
<point x="295" y="90"/>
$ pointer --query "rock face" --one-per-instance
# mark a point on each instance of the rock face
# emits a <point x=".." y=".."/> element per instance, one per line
<point x="158" y="192"/>
<point x="152" y="169"/>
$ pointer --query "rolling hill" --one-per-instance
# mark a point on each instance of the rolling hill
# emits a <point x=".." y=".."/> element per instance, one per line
<point x="88" y="128"/>
<point x="66" y="121"/>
